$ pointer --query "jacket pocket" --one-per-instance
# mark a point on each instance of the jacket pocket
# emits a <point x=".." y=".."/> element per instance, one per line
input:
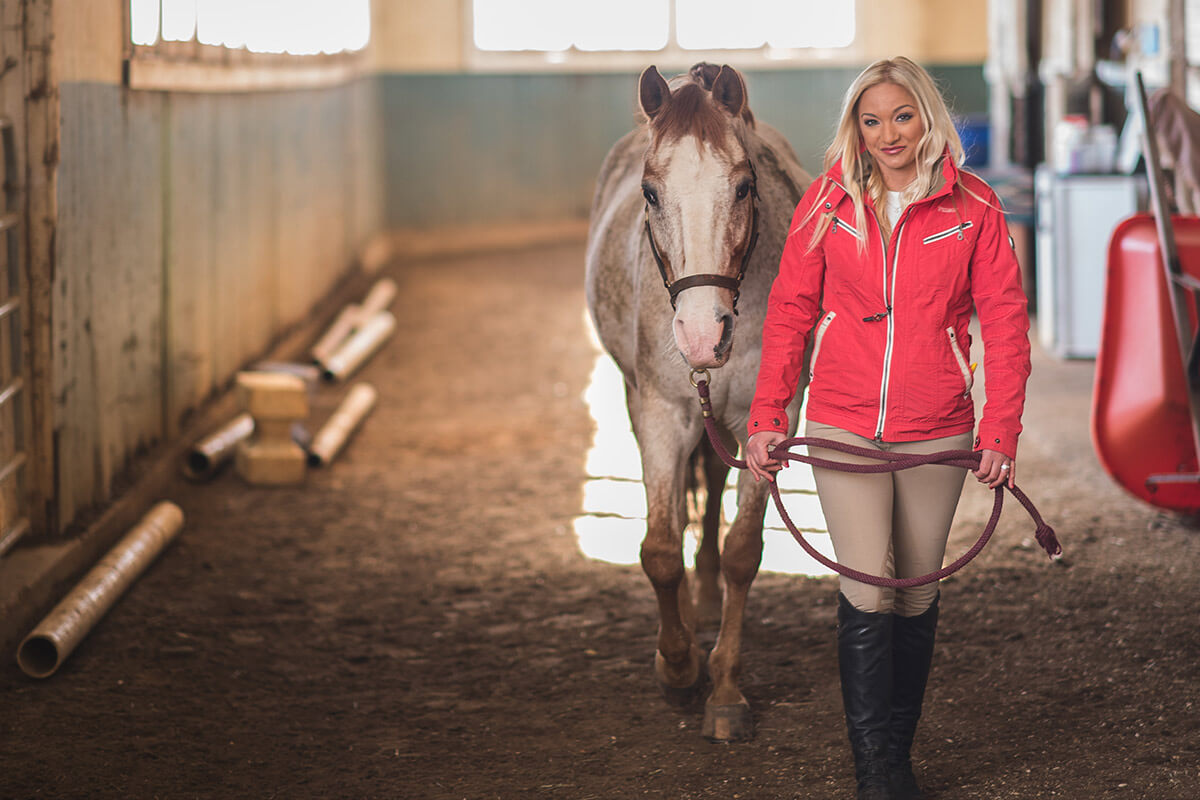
<point x="840" y="224"/>
<point x="967" y="376"/>
<point x="822" y="326"/>
<point x="957" y="231"/>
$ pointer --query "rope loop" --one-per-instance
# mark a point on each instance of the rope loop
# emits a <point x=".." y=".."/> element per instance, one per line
<point x="889" y="462"/>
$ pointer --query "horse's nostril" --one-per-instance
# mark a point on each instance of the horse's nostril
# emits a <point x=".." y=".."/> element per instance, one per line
<point x="722" y="347"/>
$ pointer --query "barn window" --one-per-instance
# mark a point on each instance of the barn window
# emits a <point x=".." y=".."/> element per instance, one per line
<point x="560" y="30"/>
<point x="220" y="45"/>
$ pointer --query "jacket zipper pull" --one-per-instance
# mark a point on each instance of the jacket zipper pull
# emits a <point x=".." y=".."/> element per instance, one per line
<point x="879" y="316"/>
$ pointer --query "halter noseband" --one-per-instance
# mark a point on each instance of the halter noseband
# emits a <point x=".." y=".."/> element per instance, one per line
<point x="709" y="278"/>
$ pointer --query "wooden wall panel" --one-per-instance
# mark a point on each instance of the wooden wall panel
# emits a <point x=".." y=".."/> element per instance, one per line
<point x="107" y="289"/>
<point x="189" y="201"/>
<point x="193" y="230"/>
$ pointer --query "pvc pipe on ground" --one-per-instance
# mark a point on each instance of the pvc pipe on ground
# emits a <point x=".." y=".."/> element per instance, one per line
<point x="379" y="298"/>
<point x="45" y="649"/>
<point x="360" y="346"/>
<point x="211" y="452"/>
<point x="334" y="434"/>
<point x="342" y="327"/>
<point x="353" y="317"/>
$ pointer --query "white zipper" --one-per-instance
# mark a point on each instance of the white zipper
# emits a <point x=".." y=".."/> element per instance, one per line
<point x="968" y="376"/>
<point x="937" y="237"/>
<point x="839" y="223"/>
<point x="812" y="363"/>
<point x="891" y="330"/>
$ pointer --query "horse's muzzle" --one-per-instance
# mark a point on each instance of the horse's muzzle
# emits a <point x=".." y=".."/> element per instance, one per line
<point x="707" y="344"/>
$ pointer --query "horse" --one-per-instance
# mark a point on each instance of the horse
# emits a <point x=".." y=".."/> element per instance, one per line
<point x="1177" y="129"/>
<point x="680" y="203"/>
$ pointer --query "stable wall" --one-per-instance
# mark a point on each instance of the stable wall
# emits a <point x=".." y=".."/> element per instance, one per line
<point x="480" y="148"/>
<point x="192" y="230"/>
<point x="465" y="146"/>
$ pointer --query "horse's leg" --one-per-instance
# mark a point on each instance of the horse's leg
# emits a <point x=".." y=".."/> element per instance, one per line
<point x="708" y="555"/>
<point x="727" y="715"/>
<point x="665" y="445"/>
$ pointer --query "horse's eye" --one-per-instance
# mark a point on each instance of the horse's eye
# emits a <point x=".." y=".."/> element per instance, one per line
<point x="743" y="190"/>
<point x="650" y="195"/>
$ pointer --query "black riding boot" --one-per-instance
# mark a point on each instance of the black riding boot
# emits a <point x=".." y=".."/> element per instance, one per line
<point x="865" y="663"/>
<point x="912" y="653"/>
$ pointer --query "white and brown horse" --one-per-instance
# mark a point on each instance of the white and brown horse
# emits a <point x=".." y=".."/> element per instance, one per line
<point x="680" y="201"/>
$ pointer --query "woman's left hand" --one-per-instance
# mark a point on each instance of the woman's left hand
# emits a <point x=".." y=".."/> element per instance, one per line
<point x="996" y="469"/>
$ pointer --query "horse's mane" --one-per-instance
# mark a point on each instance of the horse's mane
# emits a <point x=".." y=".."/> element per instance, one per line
<point x="691" y="110"/>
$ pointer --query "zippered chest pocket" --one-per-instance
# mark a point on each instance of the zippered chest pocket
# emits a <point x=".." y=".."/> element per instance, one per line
<point x="943" y="255"/>
<point x="842" y="258"/>
<point x="957" y="232"/>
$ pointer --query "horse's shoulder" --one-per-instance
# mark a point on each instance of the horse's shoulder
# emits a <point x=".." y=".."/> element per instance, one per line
<point x="627" y="150"/>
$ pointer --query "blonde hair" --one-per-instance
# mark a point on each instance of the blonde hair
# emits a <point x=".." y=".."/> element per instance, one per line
<point x="860" y="175"/>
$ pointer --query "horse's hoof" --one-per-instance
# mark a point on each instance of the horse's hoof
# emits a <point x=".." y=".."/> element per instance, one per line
<point x="732" y="723"/>
<point x="686" y="696"/>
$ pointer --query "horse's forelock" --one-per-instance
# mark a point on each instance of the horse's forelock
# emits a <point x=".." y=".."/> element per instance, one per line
<point x="692" y="112"/>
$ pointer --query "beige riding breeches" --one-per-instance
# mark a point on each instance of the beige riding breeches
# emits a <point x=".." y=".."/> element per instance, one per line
<point x="891" y="524"/>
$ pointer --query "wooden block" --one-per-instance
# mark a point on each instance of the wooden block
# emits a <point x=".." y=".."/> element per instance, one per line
<point x="273" y="464"/>
<point x="272" y="395"/>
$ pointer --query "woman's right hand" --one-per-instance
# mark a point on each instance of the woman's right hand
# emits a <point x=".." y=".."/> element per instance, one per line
<point x="758" y="454"/>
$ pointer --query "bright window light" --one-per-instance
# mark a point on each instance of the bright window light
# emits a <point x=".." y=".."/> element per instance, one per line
<point x="811" y="23"/>
<point x="623" y="25"/>
<point x="554" y="26"/>
<point x="218" y="23"/>
<point x="714" y="24"/>
<point x="522" y="25"/>
<point x="298" y="27"/>
<point x="178" y="20"/>
<point x="143" y="20"/>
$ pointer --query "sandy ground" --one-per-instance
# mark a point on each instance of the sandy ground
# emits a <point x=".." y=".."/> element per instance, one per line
<point x="417" y="621"/>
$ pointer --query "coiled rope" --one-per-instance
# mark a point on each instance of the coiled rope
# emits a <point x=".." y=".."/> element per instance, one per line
<point x="889" y="462"/>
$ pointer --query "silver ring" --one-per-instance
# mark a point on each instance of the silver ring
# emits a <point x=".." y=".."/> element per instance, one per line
<point x="1003" y="467"/>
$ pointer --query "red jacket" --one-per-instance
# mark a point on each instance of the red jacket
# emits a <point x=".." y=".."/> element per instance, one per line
<point x="891" y="356"/>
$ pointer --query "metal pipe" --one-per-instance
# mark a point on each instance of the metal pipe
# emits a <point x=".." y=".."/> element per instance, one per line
<point x="334" y="434"/>
<point x="45" y="649"/>
<point x="212" y="452"/>
<point x="361" y="346"/>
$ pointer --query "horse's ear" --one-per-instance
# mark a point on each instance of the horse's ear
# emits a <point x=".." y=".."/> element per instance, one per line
<point x="729" y="90"/>
<point x="653" y="92"/>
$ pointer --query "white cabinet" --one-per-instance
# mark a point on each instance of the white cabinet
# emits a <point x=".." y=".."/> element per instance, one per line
<point x="1076" y="215"/>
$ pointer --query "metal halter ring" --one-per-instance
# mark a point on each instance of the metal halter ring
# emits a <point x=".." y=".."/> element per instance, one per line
<point x="696" y="376"/>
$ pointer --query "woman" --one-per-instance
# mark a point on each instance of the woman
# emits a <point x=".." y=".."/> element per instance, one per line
<point x="890" y="251"/>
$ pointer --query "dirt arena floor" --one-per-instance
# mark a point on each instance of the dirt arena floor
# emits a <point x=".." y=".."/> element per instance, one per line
<point x="418" y="621"/>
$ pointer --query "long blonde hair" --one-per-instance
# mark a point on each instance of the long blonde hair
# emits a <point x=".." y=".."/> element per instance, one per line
<point x="860" y="175"/>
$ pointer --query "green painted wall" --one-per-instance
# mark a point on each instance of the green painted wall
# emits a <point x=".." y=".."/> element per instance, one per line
<point x="470" y="148"/>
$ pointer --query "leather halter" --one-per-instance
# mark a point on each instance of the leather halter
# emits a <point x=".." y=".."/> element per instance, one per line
<point x="709" y="278"/>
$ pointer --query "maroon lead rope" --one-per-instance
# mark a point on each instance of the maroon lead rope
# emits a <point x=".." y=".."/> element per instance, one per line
<point x="891" y="462"/>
